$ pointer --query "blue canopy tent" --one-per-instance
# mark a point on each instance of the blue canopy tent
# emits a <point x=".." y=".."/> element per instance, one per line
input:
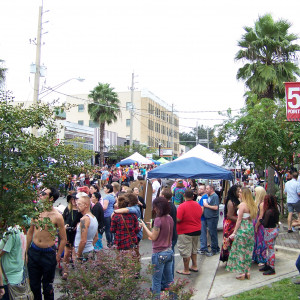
<point x="126" y="162"/>
<point x="191" y="167"/>
<point x="156" y="162"/>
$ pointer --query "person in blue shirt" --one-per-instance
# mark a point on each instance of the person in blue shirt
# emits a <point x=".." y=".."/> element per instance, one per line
<point x="108" y="207"/>
<point x="203" y="237"/>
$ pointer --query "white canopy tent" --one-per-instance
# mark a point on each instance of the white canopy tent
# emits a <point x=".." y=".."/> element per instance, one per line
<point x="204" y="154"/>
<point x="136" y="157"/>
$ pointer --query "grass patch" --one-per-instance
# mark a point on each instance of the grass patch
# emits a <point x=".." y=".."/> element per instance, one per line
<point x="283" y="289"/>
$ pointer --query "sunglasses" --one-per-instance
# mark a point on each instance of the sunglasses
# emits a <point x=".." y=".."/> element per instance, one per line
<point x="43" y="193"/>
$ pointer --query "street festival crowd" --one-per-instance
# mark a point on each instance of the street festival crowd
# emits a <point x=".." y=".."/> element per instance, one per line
<point x="184" y="212"/>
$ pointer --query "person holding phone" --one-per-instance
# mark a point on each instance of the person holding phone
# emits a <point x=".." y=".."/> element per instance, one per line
<point x="163" y="255"/>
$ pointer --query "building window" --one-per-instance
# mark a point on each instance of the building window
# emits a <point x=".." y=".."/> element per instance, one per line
<point x="80" y="107"/>
<point x="80" y="122"/>
<point x="128" y="105"/>
<point x="127" y="122"/>
<point x="150" y="109"/>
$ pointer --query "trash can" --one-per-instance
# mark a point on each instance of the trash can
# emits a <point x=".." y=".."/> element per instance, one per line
<point x="221" y="216"/>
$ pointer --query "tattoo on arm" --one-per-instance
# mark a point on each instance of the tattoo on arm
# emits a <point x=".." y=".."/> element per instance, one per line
<point x="156" y="228"/>
<point x="82" y="225"/>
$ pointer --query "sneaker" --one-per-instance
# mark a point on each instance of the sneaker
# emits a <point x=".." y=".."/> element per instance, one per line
<point x="202" y="252"/>
<point x="264" y="268"/>
<point x="211" y="253"/>
<point x="271" y="271"/>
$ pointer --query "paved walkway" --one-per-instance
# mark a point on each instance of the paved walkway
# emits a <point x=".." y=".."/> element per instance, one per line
<point x="214" y="282"/>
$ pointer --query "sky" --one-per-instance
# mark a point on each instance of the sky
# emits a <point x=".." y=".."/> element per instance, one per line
<point x="181" y="51"/>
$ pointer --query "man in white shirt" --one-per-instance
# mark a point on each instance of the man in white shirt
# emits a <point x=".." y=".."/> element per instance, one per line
<point x="292" y="189"/>
<point x="155" y="188"/>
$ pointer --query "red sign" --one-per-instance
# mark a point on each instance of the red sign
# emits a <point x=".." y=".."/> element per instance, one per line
<point x="292" y="93"/>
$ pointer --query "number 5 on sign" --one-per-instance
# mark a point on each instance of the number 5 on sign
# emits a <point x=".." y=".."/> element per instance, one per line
<point x="292" y="92"/>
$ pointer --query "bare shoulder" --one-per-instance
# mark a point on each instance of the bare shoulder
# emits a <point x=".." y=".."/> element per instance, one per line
<point x="243" y="206"/>
<point x="57" y="217"/>
<point x="229" y="203"/>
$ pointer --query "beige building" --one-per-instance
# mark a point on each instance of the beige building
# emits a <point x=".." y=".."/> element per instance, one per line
<point x="154" y="123"/>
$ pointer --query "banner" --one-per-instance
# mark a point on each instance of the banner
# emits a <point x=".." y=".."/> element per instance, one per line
<point x="292" y="94"/>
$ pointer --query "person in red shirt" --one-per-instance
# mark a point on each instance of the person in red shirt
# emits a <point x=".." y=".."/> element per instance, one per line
<point x="188" y="229"/>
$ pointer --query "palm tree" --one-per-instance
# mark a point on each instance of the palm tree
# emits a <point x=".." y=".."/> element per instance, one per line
<point x="104" y="109"/>
<point x="271" y="59"/>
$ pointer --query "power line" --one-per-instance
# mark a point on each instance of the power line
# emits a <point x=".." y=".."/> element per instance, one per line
<point x="142" y="109"/>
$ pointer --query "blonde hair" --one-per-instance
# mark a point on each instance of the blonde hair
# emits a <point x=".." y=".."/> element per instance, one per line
<point x="248" y="199"/>
<point x="116" y="186"/>
<point x="260" y="194"/>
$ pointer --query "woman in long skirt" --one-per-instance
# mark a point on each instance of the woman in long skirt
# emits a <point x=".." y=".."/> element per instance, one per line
<point x="240" y="256"/>
<point x="270" y="222"/>
<point x="230" y="212"/>
<point x="259" y="251"/>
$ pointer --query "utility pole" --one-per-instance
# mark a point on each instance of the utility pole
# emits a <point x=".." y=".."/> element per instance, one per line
<point x="131" y="110"/>
<point x="207" y="130"/>
<point x="197" y="137"/>
<point x="172" y="130"/>
<point x="38" y="58"/>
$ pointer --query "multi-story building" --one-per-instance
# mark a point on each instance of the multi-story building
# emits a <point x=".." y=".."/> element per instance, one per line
<point x="154" y="122"/>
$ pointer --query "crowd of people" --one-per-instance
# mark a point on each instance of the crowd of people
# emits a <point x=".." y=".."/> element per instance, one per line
<point x="185" y="213"/>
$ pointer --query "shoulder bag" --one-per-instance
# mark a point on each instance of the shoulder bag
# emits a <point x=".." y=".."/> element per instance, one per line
<point x="20" y="291"/>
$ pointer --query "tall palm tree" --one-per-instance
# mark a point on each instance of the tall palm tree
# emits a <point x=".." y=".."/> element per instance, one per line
<point x="271" y="56"/>
<point x="105" y="109"/>
<point x="270" y="53"/>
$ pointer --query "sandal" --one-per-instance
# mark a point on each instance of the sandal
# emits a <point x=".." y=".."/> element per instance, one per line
<point x="64" y="276"/>
<point x="241" y="277"/>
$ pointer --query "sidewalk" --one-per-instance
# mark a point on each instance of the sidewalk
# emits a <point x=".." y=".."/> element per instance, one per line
<point x="214" y="282"/>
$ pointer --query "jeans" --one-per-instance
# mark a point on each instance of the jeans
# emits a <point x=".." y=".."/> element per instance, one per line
<point x="108" y="234"/>
<point x="212" y="225"/>
<point x="163" y="281"/>
<point x="162" y="268"/>
<point x="298" y="263"/>
<point x="203" y="236"/>
<point x="41" y="269"/>
<point x="6" y="295"/>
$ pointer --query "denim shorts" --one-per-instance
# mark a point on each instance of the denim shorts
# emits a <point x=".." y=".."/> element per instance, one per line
<point x="294" y="207"/>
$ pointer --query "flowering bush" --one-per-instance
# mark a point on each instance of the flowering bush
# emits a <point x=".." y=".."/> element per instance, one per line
<point x="113" y="275"/>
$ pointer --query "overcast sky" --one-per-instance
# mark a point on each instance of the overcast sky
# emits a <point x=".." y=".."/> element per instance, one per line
<point x="182" y="51"/>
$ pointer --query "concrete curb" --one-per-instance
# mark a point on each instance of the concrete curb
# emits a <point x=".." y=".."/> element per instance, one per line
<point x="287" y="250"/>
<point x="258" y="285"/>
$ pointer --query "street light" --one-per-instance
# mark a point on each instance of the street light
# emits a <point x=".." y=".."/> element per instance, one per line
<point x="54" y="88"/>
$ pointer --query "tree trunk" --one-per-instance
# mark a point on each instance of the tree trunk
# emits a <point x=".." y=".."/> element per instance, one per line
<point x="281" y="193"/>
<point x="101" y="144"/>
<point x="271" y="185"/>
